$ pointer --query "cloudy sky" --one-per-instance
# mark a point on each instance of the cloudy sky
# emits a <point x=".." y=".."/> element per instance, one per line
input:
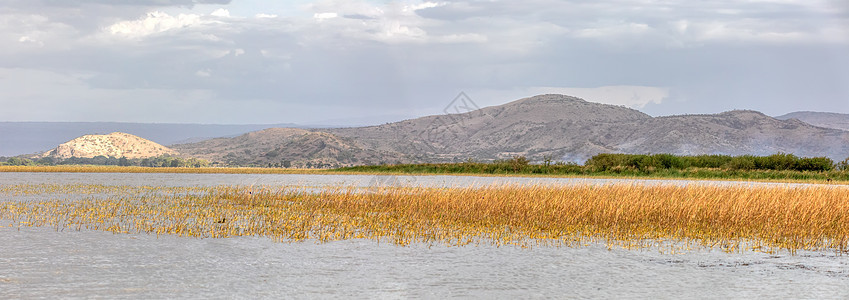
<point x="359" y="62"/>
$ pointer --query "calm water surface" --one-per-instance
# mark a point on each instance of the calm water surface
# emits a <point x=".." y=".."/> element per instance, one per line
<point x="330" y="180"/>
<point x="44" y="263"/>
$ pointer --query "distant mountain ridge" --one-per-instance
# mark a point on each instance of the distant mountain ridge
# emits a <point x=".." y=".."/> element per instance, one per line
<point x="542" y="127"/>
<point x="821" y="119"/>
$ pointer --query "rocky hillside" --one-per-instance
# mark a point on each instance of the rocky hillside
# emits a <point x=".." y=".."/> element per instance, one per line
<point x="542" y="127"/>
<point x="288" y="147"/>
<point x="547" y="125"/>
<point x="821" y="119"/>
<point x="567" y="128"/>
<point x="116" y="144"/>
<point x="735" y="132"/>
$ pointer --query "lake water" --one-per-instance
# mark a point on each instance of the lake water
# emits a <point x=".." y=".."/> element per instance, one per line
<point x="44" y="263"/>
<point x="171" y="180"/>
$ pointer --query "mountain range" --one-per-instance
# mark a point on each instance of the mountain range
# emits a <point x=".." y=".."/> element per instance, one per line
<point x="821" y="119"/>
<point x="543" y="127"/>
<point x="555" y="127"/>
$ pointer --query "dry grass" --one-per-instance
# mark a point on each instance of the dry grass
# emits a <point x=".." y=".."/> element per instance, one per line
<point x="730" y="218"/>
<point x="133" y="169"/>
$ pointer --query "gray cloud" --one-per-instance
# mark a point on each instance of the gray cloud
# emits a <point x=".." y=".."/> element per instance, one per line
<point x="133" y="2"/>
<point x="362" y="58"/>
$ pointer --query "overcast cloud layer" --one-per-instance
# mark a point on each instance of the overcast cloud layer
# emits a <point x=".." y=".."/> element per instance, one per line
<point x="219" y="61"/>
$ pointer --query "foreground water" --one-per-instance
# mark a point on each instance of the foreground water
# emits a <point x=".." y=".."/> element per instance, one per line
<point x="44" y="263"/>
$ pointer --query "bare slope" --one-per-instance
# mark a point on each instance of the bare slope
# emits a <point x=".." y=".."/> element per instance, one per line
<point x="821" y="119"/>
<point x="287" y="147"/>
<point x="116" y="144"/>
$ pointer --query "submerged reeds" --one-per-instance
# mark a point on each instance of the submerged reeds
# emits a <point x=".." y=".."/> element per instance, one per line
<point x="627" y="215"/>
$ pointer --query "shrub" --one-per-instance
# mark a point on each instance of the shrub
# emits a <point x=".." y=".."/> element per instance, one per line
<point x="817" y="164"/>
<point x="779" y="161"/>
<point x="668" y="161"/>
<point x="17" y="161"/>
<point x="605" y="161"/>
<point x="843" y="165"/>
<point x="707" y="161"/>
<point x="745" y="162"/>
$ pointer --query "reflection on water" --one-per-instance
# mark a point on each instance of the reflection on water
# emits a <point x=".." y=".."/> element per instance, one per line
<point x="41" y="262"/>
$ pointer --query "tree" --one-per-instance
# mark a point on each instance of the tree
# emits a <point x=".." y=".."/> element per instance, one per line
<point x="17" y="161"/>
<point x="843" y="165"/>
<point x="47" y="161"/>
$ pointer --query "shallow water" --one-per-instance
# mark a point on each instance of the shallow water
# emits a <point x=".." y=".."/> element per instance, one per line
<point x="311" y="180"/>
<point x="40" y="262"/>
<point x="44" y="263"/>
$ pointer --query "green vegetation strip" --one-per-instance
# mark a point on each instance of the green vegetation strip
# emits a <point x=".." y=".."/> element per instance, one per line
<point x="782" y="167"/>
<point x="777" y="167"/>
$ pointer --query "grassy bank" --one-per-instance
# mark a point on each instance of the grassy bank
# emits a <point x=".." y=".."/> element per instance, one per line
<point x="585" y="171"/>
<point x="780" y="166"/>
<point x="729" y="218"/>
<point x="777" y="167"/>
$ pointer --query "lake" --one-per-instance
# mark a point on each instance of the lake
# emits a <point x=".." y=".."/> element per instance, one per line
<point x="43" y="263"/>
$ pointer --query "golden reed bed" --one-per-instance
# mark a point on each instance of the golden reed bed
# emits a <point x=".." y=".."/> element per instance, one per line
<point x="134" y="169"/>
<point x="730" y="218"/>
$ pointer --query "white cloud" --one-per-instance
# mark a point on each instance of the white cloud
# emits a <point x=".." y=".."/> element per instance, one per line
<point x="29" y="40"/>
<point x="204" y="73"/>
<point x="24" y="33"/>
<point x="223" y="13"/>
<point x="424" y="5"/>
<point x="390" y="23"/>
<point x="154" y="22"/>
<point x="325" y="15"/>
<point x="266" y="16"/>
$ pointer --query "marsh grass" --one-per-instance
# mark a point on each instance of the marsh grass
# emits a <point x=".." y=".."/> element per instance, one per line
<point x="624" y="215"/>
<point x="134" y="169"/>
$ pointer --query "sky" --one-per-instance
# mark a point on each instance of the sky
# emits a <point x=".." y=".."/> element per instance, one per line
<point x="370" y="62"/>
